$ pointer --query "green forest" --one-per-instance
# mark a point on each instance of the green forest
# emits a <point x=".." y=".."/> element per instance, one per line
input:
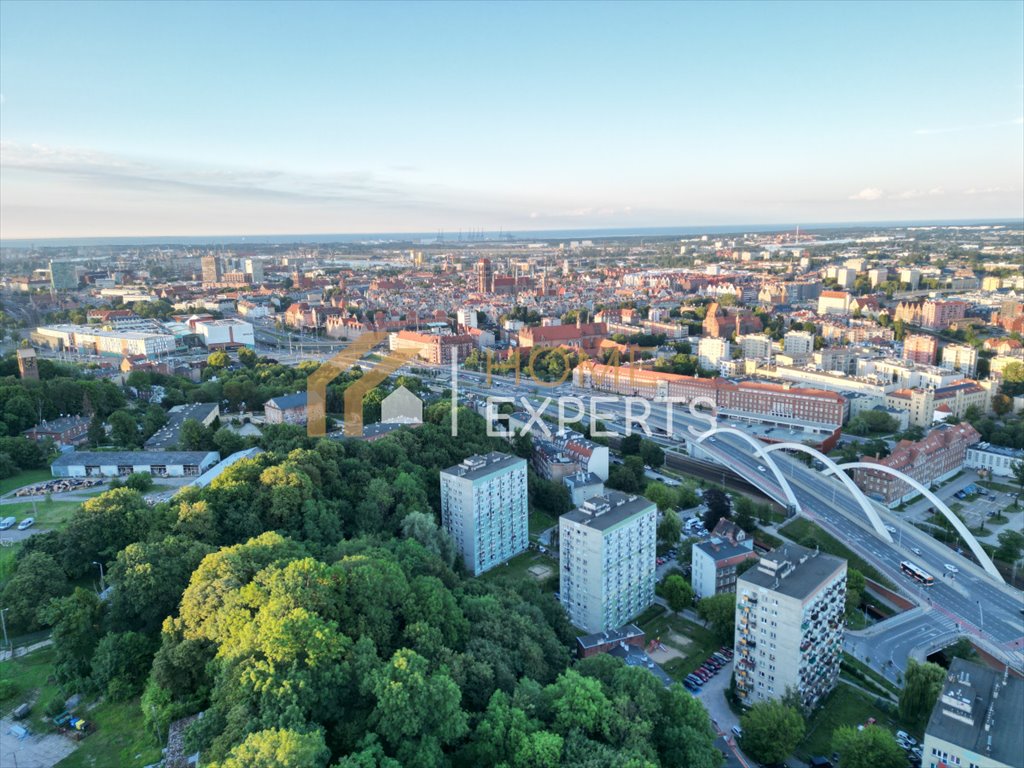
<point x="309" y="605"/>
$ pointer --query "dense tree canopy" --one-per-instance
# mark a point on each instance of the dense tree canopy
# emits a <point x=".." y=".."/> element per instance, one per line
<point x="309" y="603"/>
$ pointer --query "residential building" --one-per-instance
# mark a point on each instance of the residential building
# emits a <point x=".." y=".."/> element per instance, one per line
<point x="995" y="460"/>
<point x="63" y="276"/>
<point x="926" y="405"/>
<point x="254" y="268"/>
<point x="920" y="348"/>
<point x="287" y="409"/>
<point x="212" y="271"/>
<point x="798" y="344"/>
<point x="789" y="626"/>
<point x="960" y="357"/>
<point x="582" y="486"/>
<point x="722" y="322"/>
<point x="976" y="721"/>
<point x="607" y="557"/>
<point x="938" y="315"/>
<point x="715" y="562"/>
<point x="124" y="463"/>
<point x="65" y="431"/>
<point x="935" y="457"/>
<point x="834" y="303"/>
<point x="584" y="336"/>
<point x="484" y="509"/>
<point x="755" y="345"/>
<point x="711" y="351"/>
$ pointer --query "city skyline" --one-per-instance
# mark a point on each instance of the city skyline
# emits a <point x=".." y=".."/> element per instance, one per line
<point x="210" y="119"/>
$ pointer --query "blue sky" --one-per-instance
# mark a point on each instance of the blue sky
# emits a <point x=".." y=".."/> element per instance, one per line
<point x="194" y="118"/>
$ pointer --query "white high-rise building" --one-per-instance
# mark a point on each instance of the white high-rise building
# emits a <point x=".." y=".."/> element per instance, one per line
<point x="798" y="344"/>
<point x="789" y="625"/>
<point x="960" y="357"/>
<point x="755" y="345"/>
<point x="254" y="267"/>
<point x="607" y="552"/>
<point x="712" y="350"/>
<point x="484" y="508"/>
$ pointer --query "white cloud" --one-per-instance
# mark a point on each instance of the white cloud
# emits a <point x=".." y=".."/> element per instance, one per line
<point x="869" y="193"/>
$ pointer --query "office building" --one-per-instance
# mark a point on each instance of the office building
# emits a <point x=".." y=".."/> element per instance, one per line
<point x="977" y="720"/>
<point x="789" y="626"/>
<point x="607" y="557"/>
<point x="484" y="509"/>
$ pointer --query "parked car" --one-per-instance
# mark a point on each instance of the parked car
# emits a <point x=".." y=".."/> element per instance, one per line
<point x="7" y="522"/>
<point x="28" y="522"/>
<point x="737" y="732"/>
<point x="904" y="736"/>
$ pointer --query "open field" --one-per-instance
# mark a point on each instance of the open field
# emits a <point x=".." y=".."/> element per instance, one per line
<point x="844" y="706"/>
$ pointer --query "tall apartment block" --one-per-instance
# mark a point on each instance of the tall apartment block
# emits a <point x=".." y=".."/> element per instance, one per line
<point x="212" y="271"/>
<point x="607" y="549"/>
<point x="484" y="508"/>
<point x="789" y="625"/>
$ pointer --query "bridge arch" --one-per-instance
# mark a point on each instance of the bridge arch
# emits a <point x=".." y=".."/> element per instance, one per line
<point x="865" y="503"/>
<point x="759" y="450"/>
<point x="983" y="559"/>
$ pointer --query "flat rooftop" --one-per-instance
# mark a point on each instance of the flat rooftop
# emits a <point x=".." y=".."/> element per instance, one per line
<point x="792" y="570"/>
<point x="981" y="709"/>
<point x="478" y="466"/>
<point x="608" y="510"/>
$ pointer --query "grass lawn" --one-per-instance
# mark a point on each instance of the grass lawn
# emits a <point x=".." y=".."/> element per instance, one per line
<point x="844" y="706"/>
<point x="25" y="477"/>
<point x="866" y="671"/>
<point x="804" y="532"/>
<point x="54" y="514"/>
<point x="997" y="486"/>
<point x="540" y="521"/>
<point x="702" y="641"/>
<point x="519" y="567"/>
<point x="120" y="739"/>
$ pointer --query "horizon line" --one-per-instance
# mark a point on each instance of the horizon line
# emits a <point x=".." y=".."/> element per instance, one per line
<point x="452" y="237"/>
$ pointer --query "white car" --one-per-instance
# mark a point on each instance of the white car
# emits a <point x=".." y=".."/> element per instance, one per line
<point x="737" y="731"/>
<point x="890" y="529"/>
<point x="915" y="550"/>
<point x="760" y="468"/>
<point x="948" y="566"/>
<point x="7" y="522"/>
<point x="28" y="522"/>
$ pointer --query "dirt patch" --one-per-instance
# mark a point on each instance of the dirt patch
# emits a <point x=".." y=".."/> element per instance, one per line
<point x="664" y="653"/>
<point x="679" y="641"/>
<point x="539" y="571"/>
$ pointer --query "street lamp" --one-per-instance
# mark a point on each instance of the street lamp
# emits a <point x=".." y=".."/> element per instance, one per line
<point x="102" y="585"/>
<point x="4" y="625"/>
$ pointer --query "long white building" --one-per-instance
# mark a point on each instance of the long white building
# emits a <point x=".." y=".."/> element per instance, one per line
<point x="484" y="508"/>
<point x="607" y="552"/>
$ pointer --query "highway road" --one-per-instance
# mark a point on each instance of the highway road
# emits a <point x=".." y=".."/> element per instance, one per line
<point x="969" y="602"/>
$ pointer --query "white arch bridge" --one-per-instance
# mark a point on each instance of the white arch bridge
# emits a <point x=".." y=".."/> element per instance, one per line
<point x="764" y="451"/>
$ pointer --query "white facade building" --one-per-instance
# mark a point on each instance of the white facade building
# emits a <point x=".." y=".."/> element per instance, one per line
<point x="226" y="333"/>
<point x="607" y="556"/>
<point x="789" y="625"/>
<point x="996" y="459"/>
<point x="484" y="508"/>
<point x="713" y="350"/>
<point x="798" y="344"/>
<point x="960" y="357"/>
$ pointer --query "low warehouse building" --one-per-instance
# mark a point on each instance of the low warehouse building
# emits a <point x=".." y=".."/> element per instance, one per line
<point x="123" y="463"/>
